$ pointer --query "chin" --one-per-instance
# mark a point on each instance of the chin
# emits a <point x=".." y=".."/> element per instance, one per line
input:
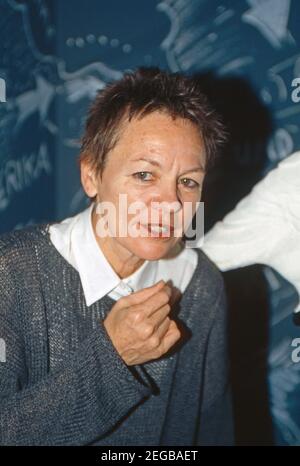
<point x="152" y="249"/>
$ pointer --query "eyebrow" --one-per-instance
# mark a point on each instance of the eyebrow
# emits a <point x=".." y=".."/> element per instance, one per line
<point x="157" y="164"/>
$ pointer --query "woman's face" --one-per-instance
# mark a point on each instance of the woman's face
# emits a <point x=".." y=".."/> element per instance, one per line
<point x="157" y="159"/>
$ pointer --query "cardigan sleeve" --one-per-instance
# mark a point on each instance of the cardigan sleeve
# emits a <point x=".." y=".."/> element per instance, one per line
<point x="216" y="420"/>
<point x="81" y="400"/>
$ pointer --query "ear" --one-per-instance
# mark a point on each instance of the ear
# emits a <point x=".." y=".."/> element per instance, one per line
<point x="88" y="179"/>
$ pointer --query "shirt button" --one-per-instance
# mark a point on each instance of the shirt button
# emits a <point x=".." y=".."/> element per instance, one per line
<point x="126" y="287"/>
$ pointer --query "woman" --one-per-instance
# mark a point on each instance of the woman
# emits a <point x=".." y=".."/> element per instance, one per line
<point x="100" y="349"/>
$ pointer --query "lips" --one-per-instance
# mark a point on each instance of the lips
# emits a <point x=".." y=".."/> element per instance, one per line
<point x="160" y="227"/>
<point x="159" y="230"/>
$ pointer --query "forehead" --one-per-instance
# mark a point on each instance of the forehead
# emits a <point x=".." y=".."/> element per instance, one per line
<point x="158" y="129"/>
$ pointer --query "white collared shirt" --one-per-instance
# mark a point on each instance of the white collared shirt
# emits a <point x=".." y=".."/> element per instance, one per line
<point x="75" y="240"/>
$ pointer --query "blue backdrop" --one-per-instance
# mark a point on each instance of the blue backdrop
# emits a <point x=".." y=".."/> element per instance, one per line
<point x="55" y="55"/>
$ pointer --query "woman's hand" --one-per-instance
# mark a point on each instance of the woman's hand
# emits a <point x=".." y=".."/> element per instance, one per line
<point x="139" y="326"/>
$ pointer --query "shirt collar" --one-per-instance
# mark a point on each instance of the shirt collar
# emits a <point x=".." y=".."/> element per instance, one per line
<point x="96" y="274"/>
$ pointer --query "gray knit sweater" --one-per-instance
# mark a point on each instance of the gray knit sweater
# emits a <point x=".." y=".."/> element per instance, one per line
<point x="63" y="382"/>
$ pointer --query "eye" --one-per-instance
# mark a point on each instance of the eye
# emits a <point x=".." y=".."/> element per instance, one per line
<point x="143" y="176"/>
<point x="189" y="183"/>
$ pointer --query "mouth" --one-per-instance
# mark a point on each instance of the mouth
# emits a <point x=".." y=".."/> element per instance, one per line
<point x="158" y="230"/>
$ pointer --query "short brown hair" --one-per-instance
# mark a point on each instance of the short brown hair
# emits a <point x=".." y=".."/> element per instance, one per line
<point x="139" y="93"/>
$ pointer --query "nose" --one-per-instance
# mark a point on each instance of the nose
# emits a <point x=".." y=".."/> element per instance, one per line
<point x="168" y="191"/>
<point x="167" y="200"/>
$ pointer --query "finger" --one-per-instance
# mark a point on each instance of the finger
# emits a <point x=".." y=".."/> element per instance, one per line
<point x="171" y="337"/>
<point x="155" y="302"/>
<point x="140" y="296"/>
<point x="148" y="327"/>
<point x="159" y="316"/>
<point x="163" y="328"/>
<point x="155" y="338"/>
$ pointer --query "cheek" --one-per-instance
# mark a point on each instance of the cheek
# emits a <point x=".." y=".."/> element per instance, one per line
<point x="110" y="189"/>
<point x="190" y="197"/>
<point x="138" y="193"/>
<point x="126" y="198"/>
